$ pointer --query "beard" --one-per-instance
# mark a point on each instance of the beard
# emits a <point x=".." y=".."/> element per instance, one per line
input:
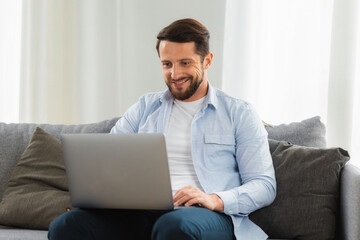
<point x="190" y="91"/>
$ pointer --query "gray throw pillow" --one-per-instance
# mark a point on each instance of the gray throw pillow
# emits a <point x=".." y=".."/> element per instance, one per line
<point x="307" y="192"/>
<point x="310" y="132"/>
<point x="15" y="137"/>
<point x="37" y="191"/>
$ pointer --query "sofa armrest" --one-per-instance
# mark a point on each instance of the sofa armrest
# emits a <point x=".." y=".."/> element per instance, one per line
<point x="350" y="202"/>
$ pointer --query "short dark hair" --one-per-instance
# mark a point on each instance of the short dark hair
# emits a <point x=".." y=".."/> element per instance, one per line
<point x="186" y="30"/>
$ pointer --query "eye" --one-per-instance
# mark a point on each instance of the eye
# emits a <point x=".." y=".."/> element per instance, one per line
<point x="185" y="63"/>
<point x="166" y="64"/>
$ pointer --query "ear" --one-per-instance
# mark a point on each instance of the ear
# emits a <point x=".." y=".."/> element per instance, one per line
<point x="208" y="60"/>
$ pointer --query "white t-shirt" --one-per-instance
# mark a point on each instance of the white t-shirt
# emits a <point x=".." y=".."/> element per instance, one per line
<point x="178" y="144"/>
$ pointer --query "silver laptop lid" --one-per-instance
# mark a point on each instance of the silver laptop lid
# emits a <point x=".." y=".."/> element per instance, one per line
<point x="122" y="171"/>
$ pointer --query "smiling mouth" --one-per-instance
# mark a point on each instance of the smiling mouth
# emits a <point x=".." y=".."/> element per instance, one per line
<point x="180" y="82"/>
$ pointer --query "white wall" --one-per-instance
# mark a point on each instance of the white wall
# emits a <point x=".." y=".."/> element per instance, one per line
<point x="86" y="61"/>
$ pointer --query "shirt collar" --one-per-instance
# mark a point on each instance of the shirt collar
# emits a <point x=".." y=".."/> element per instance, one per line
<point x="211" y="97"/>
<point x="166" y="96"/>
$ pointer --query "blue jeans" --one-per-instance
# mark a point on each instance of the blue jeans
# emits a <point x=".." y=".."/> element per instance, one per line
<point x="185" y="223"/>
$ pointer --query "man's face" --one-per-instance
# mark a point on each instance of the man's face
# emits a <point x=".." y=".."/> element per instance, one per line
<point x="183" y="70"/>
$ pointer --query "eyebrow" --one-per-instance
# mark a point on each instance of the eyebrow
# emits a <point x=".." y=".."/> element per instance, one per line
<point x="180" y="60"/>
<point x="186" y="59"/>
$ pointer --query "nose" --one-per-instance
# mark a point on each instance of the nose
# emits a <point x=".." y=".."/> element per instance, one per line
<point x="175" y="72"/>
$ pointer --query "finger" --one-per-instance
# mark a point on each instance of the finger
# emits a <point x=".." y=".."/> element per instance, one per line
<point x="178" y="195"/>
<point x="196" y="198"/>
<point x="182" y="200"/>
<point x="187" y="195"/>
<point x="194" y="201"/>
<point x="203" y="201"/>
<point x="189" y="190"/>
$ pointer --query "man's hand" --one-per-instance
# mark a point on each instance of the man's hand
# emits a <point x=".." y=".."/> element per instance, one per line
<point x="188" y="196"/>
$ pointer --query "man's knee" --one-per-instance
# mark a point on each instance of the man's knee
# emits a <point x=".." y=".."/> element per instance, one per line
<point x="193" y="223"/>
<point x="65" y="226"/>
<point x="173" y="226"/>
<point x="57" y="228"/>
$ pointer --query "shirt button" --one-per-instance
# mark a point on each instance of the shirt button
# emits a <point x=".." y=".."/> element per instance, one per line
<point x="231" y="211"/>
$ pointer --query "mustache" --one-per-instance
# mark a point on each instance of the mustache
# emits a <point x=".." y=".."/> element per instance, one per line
<point x="179" y="79"/>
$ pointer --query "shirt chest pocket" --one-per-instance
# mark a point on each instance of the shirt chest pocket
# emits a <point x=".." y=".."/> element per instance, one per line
<point x="220" y="151"/>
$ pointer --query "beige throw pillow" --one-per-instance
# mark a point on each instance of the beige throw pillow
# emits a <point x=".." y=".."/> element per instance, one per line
<point x="37" y="191"/>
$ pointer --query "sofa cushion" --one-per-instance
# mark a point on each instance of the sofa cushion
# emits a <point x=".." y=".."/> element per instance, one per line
<point x="11" y="233"/>
<point x="15" y="137"/>
<point x="307" y="192"/>
<point x="310" y="132"/>
<point x="37" y="191"/>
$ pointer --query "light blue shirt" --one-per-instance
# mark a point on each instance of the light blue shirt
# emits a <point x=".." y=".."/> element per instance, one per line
<point x="229" y="147"/>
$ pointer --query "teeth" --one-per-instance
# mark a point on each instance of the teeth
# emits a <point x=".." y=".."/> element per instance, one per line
<point x="180" y="82"/>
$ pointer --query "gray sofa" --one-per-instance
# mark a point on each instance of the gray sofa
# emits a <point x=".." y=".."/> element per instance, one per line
<point x="14" y="139"/>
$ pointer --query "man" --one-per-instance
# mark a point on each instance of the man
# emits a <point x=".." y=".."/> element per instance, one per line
<point x="217" y="148"/>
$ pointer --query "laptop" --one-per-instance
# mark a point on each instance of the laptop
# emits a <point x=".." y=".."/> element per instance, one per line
<point x="117" y="171"/>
